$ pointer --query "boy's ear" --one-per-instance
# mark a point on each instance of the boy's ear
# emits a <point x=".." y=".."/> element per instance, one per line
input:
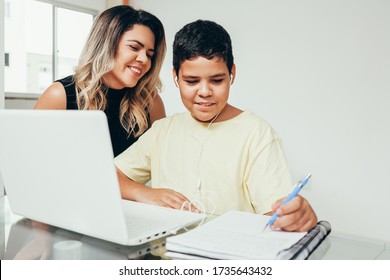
<point x="175" y="77"/>
<point x="233" y="74"/>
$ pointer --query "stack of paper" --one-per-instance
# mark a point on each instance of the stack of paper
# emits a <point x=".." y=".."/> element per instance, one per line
<point x="236" y="235"/>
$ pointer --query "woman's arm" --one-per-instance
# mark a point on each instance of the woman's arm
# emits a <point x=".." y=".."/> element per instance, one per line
<point x="54" y="97"/>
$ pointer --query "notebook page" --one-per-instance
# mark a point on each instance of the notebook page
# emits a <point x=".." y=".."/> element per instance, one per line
<point x="234" y="235"/>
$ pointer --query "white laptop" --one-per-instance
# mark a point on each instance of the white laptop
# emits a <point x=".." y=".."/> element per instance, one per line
<point x="57" y="168"/>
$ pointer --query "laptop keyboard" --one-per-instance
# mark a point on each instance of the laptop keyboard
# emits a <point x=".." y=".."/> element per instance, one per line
<point x="142" y="224"/>
<point x="148" y="222"/>
<point x="137" y="224"/>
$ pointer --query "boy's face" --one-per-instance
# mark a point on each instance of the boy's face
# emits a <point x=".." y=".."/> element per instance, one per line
<point x="204" y="86"/>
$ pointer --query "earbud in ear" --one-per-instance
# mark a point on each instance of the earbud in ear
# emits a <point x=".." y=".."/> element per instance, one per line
<point x="176" y="82"/>
<point x="231" y="79"/>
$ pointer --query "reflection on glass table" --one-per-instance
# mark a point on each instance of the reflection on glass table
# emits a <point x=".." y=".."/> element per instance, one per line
<point x="19" y="239"/>
<point x="26" y="241"/>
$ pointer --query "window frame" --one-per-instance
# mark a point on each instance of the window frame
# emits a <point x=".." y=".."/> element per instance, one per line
<point x="55" y="5"/>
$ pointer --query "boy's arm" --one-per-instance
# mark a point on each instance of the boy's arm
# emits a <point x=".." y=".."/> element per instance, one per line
<point x="269" y="171"/>
<point x="135" y="191"/>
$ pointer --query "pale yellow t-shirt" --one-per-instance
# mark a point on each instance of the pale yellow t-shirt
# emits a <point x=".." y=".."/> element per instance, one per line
<point x="235" y="164"/>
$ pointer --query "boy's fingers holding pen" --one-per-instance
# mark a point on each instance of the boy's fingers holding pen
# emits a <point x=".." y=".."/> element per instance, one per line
<point x="290" y="212"/>
<point x="290" y="207"/>
<point x="291" y="222"/>
<point x="296" y="216"/>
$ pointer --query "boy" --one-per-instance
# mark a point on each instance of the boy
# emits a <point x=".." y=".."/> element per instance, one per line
<point x="215" y="154"/>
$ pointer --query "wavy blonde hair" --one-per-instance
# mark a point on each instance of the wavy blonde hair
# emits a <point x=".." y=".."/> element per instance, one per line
<point x="98" y="58"/>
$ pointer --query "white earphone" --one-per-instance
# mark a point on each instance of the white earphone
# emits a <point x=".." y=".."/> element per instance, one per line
<point x="176" y="82"/>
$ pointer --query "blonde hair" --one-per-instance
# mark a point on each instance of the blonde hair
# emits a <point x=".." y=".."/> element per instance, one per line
<point x="98" y="58"/>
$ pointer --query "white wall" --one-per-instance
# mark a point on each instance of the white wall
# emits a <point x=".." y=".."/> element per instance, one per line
<point x="318" y="71"/>
<point x="1" y="73"/>
<point x="1" y="57"/>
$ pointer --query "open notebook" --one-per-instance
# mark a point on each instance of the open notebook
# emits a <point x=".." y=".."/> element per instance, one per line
<point x="239" y="235"/>
<point x="58" y="169"/>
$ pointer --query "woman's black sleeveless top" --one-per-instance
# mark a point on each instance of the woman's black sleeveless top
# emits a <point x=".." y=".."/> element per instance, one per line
<point x="120" y="138"/>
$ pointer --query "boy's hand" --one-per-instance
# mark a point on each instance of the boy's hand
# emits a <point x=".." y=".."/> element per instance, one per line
<point x="297" y="215"/>
<point x="168" y="198"/>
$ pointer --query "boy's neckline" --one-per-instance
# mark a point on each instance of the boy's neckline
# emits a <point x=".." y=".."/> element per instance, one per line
<point x="229" y="112"/>
<point x="239" y="115"/>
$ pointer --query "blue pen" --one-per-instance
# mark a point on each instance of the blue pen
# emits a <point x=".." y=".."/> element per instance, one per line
<point x="293" y="194"/>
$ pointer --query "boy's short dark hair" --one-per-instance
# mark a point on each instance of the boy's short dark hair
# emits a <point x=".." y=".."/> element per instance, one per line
<point x="202" y="38"/>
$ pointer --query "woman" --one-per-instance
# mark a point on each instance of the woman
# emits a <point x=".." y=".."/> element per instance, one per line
<point x="118" y="72"/>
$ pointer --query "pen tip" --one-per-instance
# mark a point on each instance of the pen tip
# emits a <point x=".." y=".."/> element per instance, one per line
<point x="265" y="227"/>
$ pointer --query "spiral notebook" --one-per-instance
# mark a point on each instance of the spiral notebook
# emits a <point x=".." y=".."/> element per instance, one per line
<point x="239" y="235"/>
